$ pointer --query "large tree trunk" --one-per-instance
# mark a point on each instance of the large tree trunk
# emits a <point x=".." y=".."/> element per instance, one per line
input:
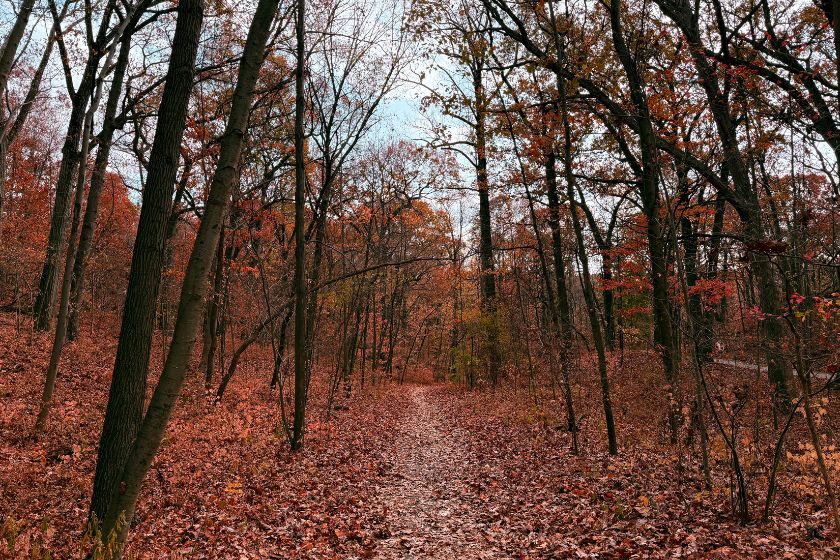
<point x="127" y="394"/>
<point x="194" y="288"/>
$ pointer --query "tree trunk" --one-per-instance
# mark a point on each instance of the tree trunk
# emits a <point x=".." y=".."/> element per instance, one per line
<point x="97" y="182"/>
<point x="195" y="280"/>
<point x="743" y="197"/>
<point x="563" y="309"/>
<point x="485" y="245"/>
<point x="7" y="59"/>
<point x="211" y="325"/>
<point x="663" y="326"/>
<point x="588" y="290"/>
<point x="300" y="242"/>
<point x="61" y="325"/>
<point x="127" y="393"/>
<point x="67" y="170"/>
<point x="12" y="42"/>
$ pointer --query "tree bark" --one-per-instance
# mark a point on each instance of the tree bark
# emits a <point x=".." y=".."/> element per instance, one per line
<point x="97" y="182"/>
<point x="64" y="303"/>
<point x="127" y="393"/>
<point x="663" y="325"/>
<point x="588" y="290"/>
<point x="69" y="163"/>
<point x="194" y="289"/>
<point x="485" y="245"/>
<point x="211" y="325"/>
<point x="300" y="242"/>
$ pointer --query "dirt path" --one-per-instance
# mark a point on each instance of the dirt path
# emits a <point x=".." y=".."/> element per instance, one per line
<point x="825" y="376"/>
<point x="422" y="495"/>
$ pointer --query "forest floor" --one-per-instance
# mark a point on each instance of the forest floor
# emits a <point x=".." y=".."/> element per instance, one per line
<point x="415" y="471"/>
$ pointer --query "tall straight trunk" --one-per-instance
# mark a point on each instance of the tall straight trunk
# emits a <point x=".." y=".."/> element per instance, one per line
<point x="375" y="336"/>
<point x="310" y="313"/>
<point x="594" y="320"/>
<point x="193" y="291"/>
<point x="66" y="173"/>
<point x="608" y="298"/>
<point x="595" y="325"/>
<point x="485" y="244"/>
<point x="300" y="242"/>
<point x="558" y="309"/>
<point x="281" y="349"/>
<point x="320" y="235"/>
<point x="561" y="314"/>
<point x="127" y="394"/>
<point x="664" y="335"/>
<point x="365" y="323"/>
<point x="690" y="252"/>
<point x="563" y="309"/>
<point x="167" y="281"/>
<point x="353" y="340"/>
<point x="454" y="333"/>
<point x="588" y="289"/>
<point x="604" y="247"/>
<point x="705" y="337"/>
<point x="97" y="182"/>
<point x="209" y="329"/>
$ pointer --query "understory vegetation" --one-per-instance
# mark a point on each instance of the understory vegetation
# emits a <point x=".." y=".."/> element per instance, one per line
<point x="387" y="279"/>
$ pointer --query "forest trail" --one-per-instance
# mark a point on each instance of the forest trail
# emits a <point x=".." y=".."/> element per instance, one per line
<point x="825" y="376"/>
<point x="426" y="514"/>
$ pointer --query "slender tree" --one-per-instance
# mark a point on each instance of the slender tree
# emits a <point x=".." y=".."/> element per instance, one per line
<point x="301" y="366"/>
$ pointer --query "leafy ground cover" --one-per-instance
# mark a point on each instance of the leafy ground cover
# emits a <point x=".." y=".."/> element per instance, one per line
<point x="405" y="471"/>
